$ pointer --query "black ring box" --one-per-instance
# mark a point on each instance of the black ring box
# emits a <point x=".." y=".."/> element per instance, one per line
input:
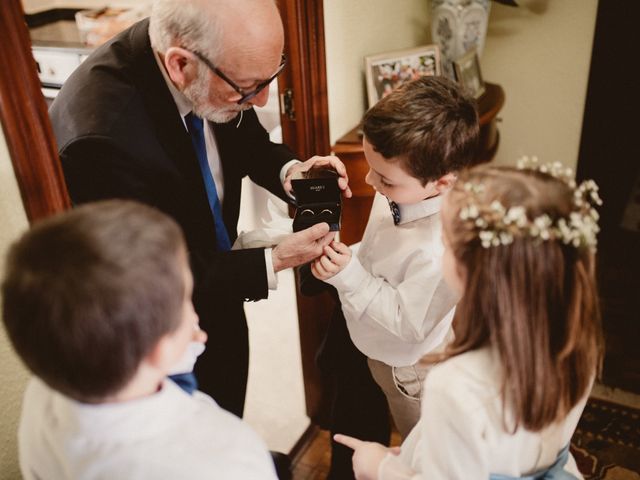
<point x="318" y="199"/>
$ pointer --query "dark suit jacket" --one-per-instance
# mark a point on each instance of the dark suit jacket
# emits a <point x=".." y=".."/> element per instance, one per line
<point x="120" y="135"/>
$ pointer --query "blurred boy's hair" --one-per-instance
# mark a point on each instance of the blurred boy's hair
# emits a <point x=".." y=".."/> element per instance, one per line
<point x="88" y="293"/>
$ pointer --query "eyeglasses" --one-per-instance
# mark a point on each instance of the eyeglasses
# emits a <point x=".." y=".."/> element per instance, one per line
<point x="245" y="96"/>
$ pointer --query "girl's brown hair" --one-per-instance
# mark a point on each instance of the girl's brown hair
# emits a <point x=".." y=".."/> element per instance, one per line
<point x="534" y="302"/>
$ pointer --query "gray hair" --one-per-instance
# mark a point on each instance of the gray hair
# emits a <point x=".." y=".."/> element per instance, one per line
<point x="185" y="23"/>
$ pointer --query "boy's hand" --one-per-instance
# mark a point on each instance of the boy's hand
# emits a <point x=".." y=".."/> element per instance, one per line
<point x="366" y="456"/>
<point x="329" y="161"/>
<point x="336" y="256"/>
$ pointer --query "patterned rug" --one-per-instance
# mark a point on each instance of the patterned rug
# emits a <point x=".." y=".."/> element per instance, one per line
<point x="606" y="444"/>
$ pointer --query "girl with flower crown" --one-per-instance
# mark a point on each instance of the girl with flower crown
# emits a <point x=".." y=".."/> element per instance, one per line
<point x="504" y="403"/>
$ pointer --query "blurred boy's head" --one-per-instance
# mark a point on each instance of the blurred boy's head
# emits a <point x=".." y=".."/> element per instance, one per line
<point x="91" y="294"/>
<point x="418" y="136"/>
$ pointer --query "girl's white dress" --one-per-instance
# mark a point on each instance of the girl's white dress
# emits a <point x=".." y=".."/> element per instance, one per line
<point x="461" y="435"/>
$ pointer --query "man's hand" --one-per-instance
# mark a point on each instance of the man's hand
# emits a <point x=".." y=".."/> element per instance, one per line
<point x="366" y="456"/>
<point x="301" y="247"/>
<point x="332" y="161"/>
<point x="336" y="257"/>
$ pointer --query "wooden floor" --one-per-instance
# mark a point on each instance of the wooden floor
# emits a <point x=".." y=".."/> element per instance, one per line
<point x="313" y="462"/>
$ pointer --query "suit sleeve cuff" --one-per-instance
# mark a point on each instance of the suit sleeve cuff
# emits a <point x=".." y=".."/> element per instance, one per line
<point x="351" y="277"/>
<point x="272" y="276"/>
<point x="284" y="170"/>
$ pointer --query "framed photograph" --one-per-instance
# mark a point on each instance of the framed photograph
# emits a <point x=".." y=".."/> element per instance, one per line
<point x="467" y="72"/>
<point x="387" y="71"/>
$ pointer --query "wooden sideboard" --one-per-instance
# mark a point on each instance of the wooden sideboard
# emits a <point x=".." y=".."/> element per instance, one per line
<point x="348" y="148"/>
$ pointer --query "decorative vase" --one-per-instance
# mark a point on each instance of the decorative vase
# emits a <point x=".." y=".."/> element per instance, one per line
<point x="458" y="26"/>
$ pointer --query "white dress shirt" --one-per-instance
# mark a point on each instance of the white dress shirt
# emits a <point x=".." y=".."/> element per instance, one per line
<point x="167" y="435"/>
<point x="461" y="435"/>
<point x="393" y="296"/>
<point x="213" y="157"/>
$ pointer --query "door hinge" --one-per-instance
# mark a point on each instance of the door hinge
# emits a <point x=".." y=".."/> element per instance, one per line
<point x="287" y="107"/>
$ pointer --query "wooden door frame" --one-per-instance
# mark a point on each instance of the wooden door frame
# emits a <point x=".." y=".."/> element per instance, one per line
<point x="25" y="121"/>
<point x="308" y="132"/>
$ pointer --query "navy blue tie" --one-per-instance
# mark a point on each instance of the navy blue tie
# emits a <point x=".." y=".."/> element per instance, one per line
<point x="195" y="127"/>
<point x="395" y="211"/>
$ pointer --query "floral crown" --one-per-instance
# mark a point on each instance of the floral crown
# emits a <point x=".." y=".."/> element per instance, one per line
<point x="497" y="225"/>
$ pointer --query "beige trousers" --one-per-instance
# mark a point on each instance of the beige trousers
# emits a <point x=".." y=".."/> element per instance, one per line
<point x="403" y="389"/>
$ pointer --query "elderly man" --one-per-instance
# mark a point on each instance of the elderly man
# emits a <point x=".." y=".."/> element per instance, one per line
<point x="129" y="124"/>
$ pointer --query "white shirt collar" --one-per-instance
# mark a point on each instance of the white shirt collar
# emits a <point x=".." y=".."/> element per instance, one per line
<point x="130" y="419"/>
<point x="413" y="211"/>
<point x="183" y="104"/>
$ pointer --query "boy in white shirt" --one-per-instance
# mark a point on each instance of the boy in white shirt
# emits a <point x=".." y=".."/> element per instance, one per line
<point x="97" y="303"/>
<point x="396" y="305"/>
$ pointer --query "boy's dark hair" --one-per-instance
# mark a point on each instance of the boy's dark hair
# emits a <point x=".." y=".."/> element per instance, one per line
<point x="88" y="293"/>
<point x="430" y="123"/>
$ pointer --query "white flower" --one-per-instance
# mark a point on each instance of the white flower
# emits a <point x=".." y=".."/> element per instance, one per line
<point x="517" y="215"/>
<point x="498" y="225"/>
<point x="506" y="238"/>
<point x="542" y="222"/>
<point x="473" y="211"/>
<point x="469" y="212"/>
<point x="486" y="238"/>
<point x="473" y="188"/>
<point x="497" y="207"/>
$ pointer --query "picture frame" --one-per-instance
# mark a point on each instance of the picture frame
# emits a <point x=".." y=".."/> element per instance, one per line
<point x="467" y="73"/>
<point x="387" y="71"/>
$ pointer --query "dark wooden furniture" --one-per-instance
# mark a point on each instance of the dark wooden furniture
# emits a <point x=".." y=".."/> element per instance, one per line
<point x="355" y="211"/>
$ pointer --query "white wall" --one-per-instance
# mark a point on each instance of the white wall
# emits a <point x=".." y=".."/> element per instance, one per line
<point x="33" y="6"/>
<point x="542" y="62"/>
<point x="356" y="28"/>
<point x="13" y="375"/>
